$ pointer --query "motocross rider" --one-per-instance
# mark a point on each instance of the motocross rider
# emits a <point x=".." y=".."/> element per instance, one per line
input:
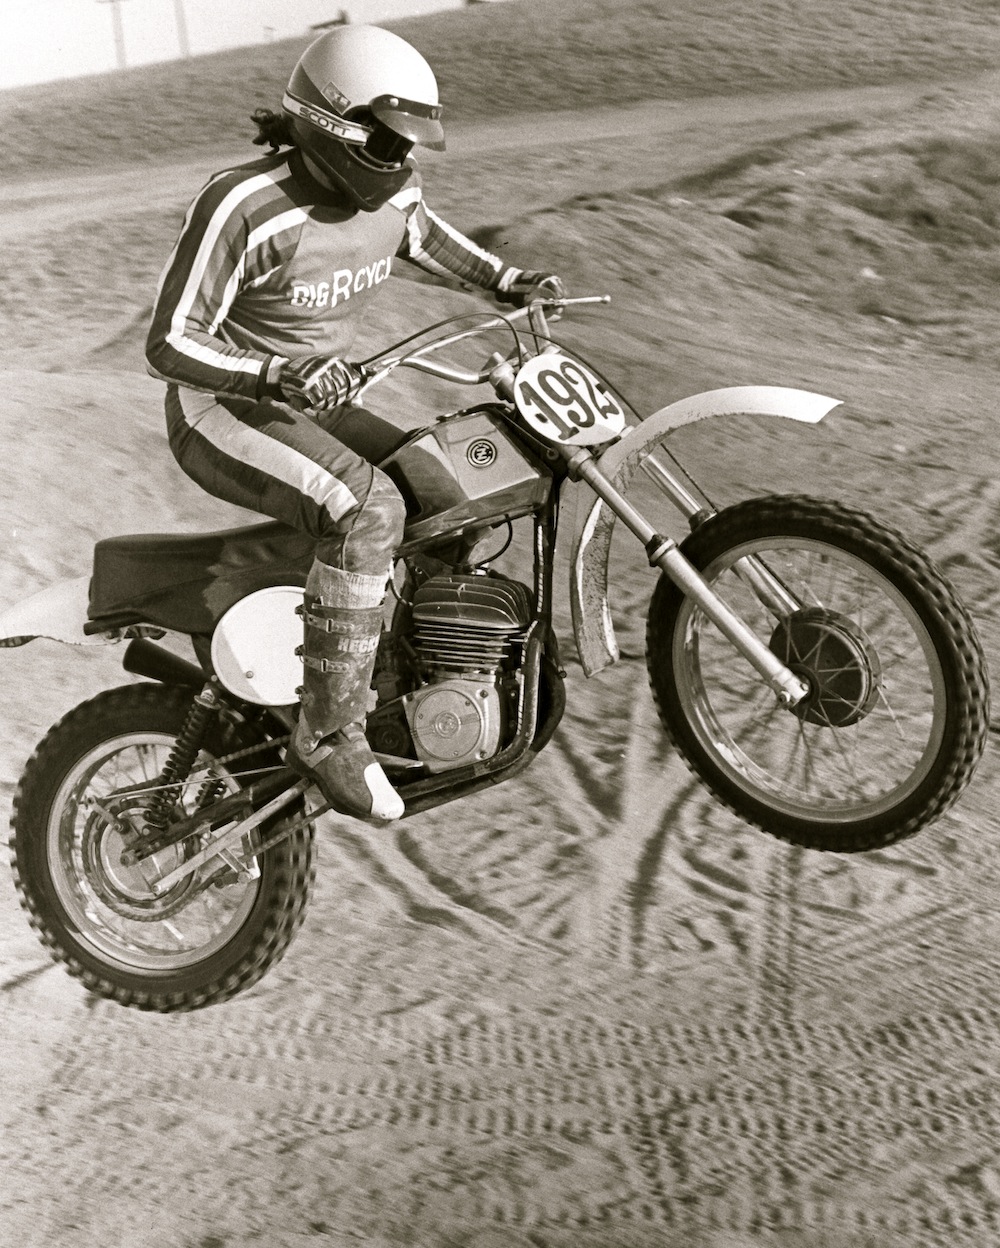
<point x="260" y="300"/>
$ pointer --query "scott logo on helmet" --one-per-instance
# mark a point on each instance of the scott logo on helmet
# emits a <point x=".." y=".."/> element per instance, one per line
<point x="345" y="282"/>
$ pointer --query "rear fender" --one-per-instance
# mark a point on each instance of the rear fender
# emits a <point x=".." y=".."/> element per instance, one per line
<point x="58" y="612"/>
<point x="592" y="622"/>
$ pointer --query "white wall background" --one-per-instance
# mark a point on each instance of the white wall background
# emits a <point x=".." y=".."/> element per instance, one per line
<point x="41" y="40"/>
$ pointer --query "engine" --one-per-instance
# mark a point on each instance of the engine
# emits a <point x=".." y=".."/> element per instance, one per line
<point x="464" y="647"/>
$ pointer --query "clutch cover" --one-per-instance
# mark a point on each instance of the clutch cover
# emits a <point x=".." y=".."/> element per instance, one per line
<point x="454" y="722"/>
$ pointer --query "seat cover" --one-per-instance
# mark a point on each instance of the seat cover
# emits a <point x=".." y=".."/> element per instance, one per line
<point x="185" y="582"/>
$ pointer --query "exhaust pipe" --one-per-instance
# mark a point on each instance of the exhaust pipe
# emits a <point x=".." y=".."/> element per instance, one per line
<point x="143" y="657"/>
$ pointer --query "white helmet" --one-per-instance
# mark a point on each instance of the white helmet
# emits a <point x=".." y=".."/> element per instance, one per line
<point x="357" y="101"/>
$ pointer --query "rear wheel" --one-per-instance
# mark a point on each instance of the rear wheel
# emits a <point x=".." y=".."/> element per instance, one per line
<point x="206" y="938"/>
<point x="898" y="709"/>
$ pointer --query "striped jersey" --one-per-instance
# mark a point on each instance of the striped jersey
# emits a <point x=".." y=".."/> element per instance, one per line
<point x="269" y="266"/>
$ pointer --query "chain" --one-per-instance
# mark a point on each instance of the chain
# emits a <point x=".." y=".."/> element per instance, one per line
<point x="202" y="773"/>
<point x="271" y="743"/>
<point x="155" y="835"/>
<point x="277" y="837"/>
<point x="225" y="759"/>
<point x="255" y="851"/>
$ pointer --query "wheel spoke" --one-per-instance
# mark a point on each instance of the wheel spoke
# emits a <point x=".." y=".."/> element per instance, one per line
<point x="84" y="798"/>
<point x="114" y="905"/>
<point x="896" y="713"/>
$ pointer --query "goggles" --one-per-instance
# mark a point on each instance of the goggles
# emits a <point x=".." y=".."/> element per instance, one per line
<point x="384" y="130"/>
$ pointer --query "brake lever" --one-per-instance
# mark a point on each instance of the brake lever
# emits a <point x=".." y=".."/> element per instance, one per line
<point x="372" y="377"/>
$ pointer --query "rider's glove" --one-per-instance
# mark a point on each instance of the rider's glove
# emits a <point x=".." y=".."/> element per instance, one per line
<point x="528" y="285"/>
<point x="319" y="382"/>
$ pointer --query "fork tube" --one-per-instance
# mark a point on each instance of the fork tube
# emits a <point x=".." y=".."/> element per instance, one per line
<point x="685" y="503"/>
<point x="772" y="594"/>
<point x="663" y="553"/>
<point x="769" y="590"/>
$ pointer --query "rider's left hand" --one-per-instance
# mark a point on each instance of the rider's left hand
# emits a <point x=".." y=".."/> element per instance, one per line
<point x="529" y="285"/>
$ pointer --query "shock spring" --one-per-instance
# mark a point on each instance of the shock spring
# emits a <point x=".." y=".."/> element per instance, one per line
<point x="211" y="790"/>
<point x="182" y="757"/>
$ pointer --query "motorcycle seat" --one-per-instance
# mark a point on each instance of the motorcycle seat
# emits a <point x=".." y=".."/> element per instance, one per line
<point x="186" y="582"/>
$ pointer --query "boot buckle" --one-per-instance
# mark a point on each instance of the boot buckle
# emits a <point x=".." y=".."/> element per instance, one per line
<point x="325" y="665"/>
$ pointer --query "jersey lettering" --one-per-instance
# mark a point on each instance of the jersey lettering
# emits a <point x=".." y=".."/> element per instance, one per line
<point x="341" y="285"/>
<point x="345" y="282"/>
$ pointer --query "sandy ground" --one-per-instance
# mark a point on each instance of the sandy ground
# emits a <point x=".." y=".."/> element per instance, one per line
<point x="590" y="1008"/>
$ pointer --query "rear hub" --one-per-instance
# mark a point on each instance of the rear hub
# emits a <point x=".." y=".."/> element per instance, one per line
<point x="126" y="889"/>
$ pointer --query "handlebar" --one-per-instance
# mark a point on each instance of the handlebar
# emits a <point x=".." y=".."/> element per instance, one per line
<point x="534" y="312"/>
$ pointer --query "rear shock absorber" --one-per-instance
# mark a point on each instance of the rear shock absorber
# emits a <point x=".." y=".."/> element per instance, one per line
<point x="182" y="757"/>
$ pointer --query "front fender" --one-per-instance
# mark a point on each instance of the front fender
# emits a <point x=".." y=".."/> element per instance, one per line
<point x="58" y="612"/>
<point x="592" y="622"/>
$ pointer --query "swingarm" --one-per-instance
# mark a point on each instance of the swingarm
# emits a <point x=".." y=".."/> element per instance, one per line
<point x="228" y="840"/>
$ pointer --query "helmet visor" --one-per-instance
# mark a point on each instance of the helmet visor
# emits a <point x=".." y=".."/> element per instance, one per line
<point x="411" y="119"/>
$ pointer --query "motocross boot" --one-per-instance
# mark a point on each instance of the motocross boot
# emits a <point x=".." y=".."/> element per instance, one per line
<point x="342" y="616"/>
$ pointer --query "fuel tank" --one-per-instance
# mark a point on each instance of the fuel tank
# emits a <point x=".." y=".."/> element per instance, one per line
<point x="465" y="471"/>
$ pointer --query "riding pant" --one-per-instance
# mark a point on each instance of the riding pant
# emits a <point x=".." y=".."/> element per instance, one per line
<point x="270" y="458"/>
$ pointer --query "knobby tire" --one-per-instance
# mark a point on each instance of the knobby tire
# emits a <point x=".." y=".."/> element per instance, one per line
<point x="285" y="882"/>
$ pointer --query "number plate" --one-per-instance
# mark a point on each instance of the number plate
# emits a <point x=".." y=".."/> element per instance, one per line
<point x="565" y="402"/>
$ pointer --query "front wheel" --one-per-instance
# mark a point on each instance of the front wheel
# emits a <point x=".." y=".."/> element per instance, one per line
<point x="898" y="707"/>
<point x="211" y="935"/>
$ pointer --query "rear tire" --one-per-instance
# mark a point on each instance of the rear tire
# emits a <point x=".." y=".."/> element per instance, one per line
<point x="899" y="710"/>
<point x="189" y="949"/>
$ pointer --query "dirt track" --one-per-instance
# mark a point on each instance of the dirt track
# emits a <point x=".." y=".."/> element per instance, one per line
<point x="589" y="1008"/>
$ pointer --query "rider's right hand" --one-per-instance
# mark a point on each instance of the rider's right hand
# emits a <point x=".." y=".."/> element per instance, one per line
<point x="319" y="382"/>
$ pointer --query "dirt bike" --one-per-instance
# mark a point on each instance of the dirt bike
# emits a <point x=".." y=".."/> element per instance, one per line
<point x="811" y="666"/>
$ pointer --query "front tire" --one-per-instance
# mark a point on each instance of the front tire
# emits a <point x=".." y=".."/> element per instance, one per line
<point x="196" y="945"/>
<point x="898" y="713"/>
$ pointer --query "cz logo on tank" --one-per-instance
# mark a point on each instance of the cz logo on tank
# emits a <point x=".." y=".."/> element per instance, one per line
<point x="481" y="453"/>
<point x="346" y="282"/>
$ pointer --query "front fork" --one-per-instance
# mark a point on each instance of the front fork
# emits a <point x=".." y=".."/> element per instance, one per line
<point x="769" y="590"/>
<point x="665" y="554"/>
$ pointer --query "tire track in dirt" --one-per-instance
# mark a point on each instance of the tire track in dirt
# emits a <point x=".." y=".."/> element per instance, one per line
<point x="531" y="1123"/>
<point x="610" y="913"/>
<point x="623" y="908"/>
<point x="776" y="955"/>
<point x="410" y="887"/>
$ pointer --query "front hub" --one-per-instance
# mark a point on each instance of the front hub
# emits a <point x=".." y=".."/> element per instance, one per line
<point x="829" y="652"/>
